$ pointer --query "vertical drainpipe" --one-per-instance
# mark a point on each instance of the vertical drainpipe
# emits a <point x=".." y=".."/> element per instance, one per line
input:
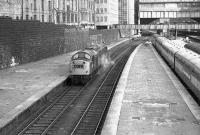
<point x="176" y="32"/>
<point x="138" y="15"/>
<point x="53" y="12"/>
<point x="78" y="12"/>
<point x="94" y="14"/>
<point x="22" y="10"/>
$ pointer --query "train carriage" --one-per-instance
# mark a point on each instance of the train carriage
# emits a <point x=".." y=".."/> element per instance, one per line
<point x="183" y="61"/>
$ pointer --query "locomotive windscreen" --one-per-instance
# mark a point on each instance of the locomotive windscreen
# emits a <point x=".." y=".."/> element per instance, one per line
<point x="81" y="55"/>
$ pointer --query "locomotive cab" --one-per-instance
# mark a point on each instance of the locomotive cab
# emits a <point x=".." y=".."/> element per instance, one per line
<point x="80" y="63"/>
<point x="85" y="63"/>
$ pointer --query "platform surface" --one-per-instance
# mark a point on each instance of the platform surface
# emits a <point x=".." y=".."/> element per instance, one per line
<point x="150" y="100"/>
<point x="23" y="85"/>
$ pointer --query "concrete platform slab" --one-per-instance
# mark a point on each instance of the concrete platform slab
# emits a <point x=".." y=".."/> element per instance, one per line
<point x="150" y="101"/>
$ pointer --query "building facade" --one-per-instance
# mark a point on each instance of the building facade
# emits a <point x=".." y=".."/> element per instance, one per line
<point x="126" y="11"/>
<point x="106" y="13"/>
<point x="70" y="12"/>
<point x="11" y="8"/>
<point x="86" y="13"/>
<point x="64" y="12"/>
<point x="149" y="10"/>
<point x="27" y="9"/>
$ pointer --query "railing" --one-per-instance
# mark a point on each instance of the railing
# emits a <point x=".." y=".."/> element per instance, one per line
<point x="161" y="26"/>
<point x="167" y="1"/>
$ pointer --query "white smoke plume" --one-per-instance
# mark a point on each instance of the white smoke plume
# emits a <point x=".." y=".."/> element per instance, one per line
<point x="106" y="61"/>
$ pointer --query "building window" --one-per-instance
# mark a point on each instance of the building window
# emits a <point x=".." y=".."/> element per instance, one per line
<point x="93" y="17"/>
<point x="97" y="19"/>
<point x="63" y="5"/>
<point x="97" y="10"/>
<point x="105" y="1"/>
<point x="58" y="18"/>
<point x="64" y="17"/>
<point x="101" y="1"/>
<point x="49" y="5"/>
<point x="105" y="18"/>
<point x="76" y="18"/>
<point x="68" y="8"/>
<point x="101" y="10"/>
<point x="50" y="18"/>
<point x="102" y="19"/>
<point x="105" y="10"/>
<point x="97" y="1"/>
<point x="26" y="17"/>
<point x="35" y="5"/>
<point x="68" y="17"/>
<point x="35" y="17"/>
<point x="42" y="5"/>
<point x="72" y="18"/>
<point x="42" y="18"/>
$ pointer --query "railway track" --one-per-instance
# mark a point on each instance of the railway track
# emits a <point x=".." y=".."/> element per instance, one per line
<point x="91" y="111"/>
<point x="91" y="118"/>
<point x="41" y="124"/>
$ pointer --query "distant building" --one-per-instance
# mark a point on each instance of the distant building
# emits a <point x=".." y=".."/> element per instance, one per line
<point x="165" y="10"/>
<point x="126" y="11"/>
<point x="11" y="8"/>
<point x="106" y="13"/>
<point x="70" y="12"/>
<point x="86" y="12"/>
<point x="64" y="11"/>
<point x="40" y="10"/>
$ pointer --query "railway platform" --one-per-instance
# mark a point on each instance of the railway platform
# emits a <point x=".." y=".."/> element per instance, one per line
<point x="150" y="100"/>
<point x="25" y="88"/>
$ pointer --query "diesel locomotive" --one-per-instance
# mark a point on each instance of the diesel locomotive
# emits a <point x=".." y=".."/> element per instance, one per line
<point x="85" y="63"/>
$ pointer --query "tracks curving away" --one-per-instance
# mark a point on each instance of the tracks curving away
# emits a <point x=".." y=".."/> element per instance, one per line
<point x="91" y="112"/>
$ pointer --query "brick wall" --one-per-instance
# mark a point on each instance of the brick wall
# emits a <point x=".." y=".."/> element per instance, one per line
<point x="29" y="41"/>
<point x="5" y="42"/>
<point x="108" y="36"/>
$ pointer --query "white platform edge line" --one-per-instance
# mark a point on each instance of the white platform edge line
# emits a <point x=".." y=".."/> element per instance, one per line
<point x="112" y="119"/>
<point x="193" y="106"/>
